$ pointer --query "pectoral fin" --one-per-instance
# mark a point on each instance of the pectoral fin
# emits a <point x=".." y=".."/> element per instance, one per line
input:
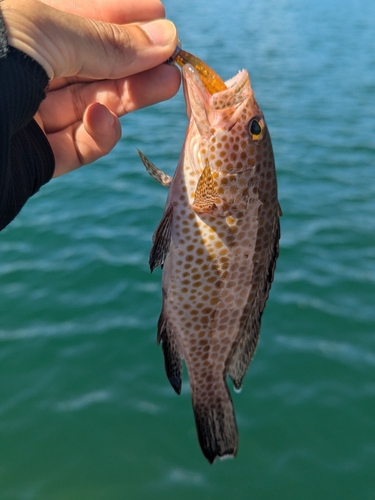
<point x="161" y="240"/>
<point x="206" y="199"/>
<point x="157" y="174"/>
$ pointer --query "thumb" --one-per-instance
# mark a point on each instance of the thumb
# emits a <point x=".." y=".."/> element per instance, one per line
<point x="68" y="45"/>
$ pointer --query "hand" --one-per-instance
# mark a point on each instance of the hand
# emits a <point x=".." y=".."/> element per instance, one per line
<point x="104" y="58"/>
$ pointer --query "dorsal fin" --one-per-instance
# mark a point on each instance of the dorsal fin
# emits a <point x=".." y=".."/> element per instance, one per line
<point x="251" y="318"/>
<point x="206" y="199"/>
<point x="155" y="172"/>
<point x="161" y="240"/>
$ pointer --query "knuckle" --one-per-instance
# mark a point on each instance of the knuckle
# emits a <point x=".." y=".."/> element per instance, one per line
<point x="118" y="46"/>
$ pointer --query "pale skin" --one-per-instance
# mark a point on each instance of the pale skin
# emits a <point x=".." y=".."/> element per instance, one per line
<point x="104" y="59"/>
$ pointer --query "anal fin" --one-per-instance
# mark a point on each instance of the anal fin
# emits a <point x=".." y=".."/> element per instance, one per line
<point x="155" y="172"/>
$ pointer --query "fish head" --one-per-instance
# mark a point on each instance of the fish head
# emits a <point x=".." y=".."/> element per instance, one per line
<point x="232" y="131"/>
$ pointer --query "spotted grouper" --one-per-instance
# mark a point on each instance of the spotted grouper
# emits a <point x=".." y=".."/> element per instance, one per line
<point x="217" y="242"/>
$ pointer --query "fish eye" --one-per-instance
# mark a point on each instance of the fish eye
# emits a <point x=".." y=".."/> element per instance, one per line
<point x="255" y="128"/>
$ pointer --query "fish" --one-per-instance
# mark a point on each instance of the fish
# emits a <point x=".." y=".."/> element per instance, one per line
<point x="217" y="244"/>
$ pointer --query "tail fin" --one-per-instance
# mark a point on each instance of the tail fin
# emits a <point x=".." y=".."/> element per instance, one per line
<point x="215" y="422"/>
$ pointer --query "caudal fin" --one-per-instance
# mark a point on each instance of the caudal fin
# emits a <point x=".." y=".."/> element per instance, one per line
<point x="215" y="422"/>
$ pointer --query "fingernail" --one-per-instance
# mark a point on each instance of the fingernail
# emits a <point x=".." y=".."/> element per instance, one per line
<point x="161" y="32"/>
<point x="105" y="115"/>
<point x="110" y="119"/>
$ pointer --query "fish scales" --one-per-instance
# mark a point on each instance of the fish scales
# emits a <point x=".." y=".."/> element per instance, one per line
<point x="218" y="244"/>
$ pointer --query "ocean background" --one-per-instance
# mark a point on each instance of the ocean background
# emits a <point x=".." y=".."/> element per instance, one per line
<point x="86" y="411"/>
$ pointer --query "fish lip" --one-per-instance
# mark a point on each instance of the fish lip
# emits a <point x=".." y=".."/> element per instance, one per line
<point x="190" y="74"/>
<point x="241" y="76"/>
<point x="238" y="89"/>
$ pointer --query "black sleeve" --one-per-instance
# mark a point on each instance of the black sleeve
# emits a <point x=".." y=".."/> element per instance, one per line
<point x="26" y="158"/>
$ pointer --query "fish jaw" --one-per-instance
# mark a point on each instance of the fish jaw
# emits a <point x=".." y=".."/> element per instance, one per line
<point x="221" y="109"/>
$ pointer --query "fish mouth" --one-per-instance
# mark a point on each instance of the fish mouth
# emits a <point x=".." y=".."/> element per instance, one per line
<point x="204" y="88"/>
<point x="236" y="88"/>
<point x="222" y="107"/>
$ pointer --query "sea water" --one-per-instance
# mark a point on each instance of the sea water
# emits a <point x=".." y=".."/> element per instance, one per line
<point x="86" y="411"/>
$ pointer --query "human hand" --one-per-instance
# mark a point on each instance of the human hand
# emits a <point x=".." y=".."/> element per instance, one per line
<point x="104" y="58"/>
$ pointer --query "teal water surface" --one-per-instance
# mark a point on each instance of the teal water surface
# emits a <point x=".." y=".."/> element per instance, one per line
<point x="86" y="412"/>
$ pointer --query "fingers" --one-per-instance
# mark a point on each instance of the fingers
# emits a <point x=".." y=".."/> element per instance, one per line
<point x="81" y="130"/>
<point x="148" y="88"/>
<point x="112" y="11"/>
<point x="69" y="45"/>
<point x="121" y="65"/>
<point x="93" y="138"/>
<point x="120" y="96"/>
